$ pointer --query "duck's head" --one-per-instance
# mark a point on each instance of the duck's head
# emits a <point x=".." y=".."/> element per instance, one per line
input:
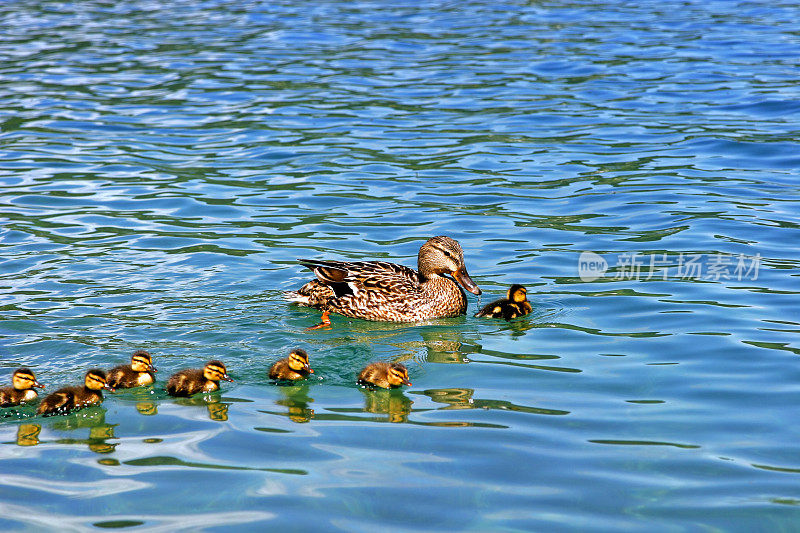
<point x="398" y="375"/>
<point x="298" y="361"/>
<point x="24" y="379"/>
<point x="517" y="293"/>
<point x="216" y="371"/>
<point x="142" y="362"/>
<point x="96" y="380"/>
<point x="443" y="255"/>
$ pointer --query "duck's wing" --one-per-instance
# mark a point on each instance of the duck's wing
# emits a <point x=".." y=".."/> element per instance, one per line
<point x="346" y="277"/>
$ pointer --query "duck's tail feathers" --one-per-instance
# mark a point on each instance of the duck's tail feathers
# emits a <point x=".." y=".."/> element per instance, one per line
<point x="296" y="297"/>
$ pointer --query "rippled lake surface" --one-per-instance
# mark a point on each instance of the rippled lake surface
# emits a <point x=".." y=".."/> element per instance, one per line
<point x="164" y="164"/>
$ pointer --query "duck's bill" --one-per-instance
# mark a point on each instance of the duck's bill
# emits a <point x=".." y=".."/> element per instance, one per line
<point x="463" y="278"/>
<point x="109" y="388"/>
<point x="37" y="384"/>
<point x="226" y="377"/>
<point x="406" y="382"/>
<point x="153" y="369"/>
<point x="309" y="369"/>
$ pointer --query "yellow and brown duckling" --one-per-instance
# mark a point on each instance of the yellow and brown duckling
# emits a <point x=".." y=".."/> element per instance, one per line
<point x="71" y="398"/>
<point x="193" y="380"/>
<point x="21" y="390"/>
<point x="137" y="374"/>
<point x="384" y="375"/>
<point x="514" y="305"/>
<point x="293" y="367"/>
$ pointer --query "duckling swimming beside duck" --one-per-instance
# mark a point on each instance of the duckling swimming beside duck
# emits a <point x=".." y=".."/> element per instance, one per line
<point x="193" y="380"/>
<point x="384" y="375"/>
<point x="137" y="374"/>
<point x="21" y="390"/>
<point x="514" y="305"/>
<point x="69" y="399"/>
<point x="293" y="367"/>
<point x="377" y="290"/>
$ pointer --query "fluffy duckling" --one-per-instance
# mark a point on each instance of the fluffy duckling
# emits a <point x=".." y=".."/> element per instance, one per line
<point x="291" y="368"/>
<point x="137" y="374"/>
<point x="22" y="388"/>
<point x="384" y="375"/>
<point x="193" y="380"/>
<point x="70" y="398"/>
<point x="515" y="304"/>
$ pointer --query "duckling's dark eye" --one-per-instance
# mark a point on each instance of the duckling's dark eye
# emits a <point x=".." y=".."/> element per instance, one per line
<point x="447" y="253"/>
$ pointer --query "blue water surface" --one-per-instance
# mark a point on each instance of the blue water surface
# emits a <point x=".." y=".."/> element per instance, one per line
<point x="164" y="164"/>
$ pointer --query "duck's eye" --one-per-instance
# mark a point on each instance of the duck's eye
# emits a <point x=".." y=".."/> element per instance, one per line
<point x="448" y="254"/>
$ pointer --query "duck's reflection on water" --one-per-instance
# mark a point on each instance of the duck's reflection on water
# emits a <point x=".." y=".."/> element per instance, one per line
<point x="454" y="398"/>
<point x="458" y="398"/>
<point x="439" y="345"/>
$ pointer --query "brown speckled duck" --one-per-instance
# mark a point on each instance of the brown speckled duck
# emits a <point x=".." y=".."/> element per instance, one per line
<point x="193" y="380"/>
<point x="384" y="375"/>
<point x="71" y="398"/>
<point x="377" y="290"/>
<point x="21" y="390"/>
<point x="514" y="305"/>
<point x="293" y="367"/>
<point x="137" y="374"/>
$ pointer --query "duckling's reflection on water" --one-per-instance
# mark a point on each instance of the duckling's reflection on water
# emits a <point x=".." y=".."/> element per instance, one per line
<point x="93" y="418"/>
<point x="393" y="403"/>
<point x="147" y="408"/>
<point x="28" y="434"/>
<point x="217" y="410"/>
<point x="295" y="399"/>
<point x="520" y="326"/>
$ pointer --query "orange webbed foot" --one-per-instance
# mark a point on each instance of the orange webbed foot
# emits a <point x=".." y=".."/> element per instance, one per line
<point x="326" y="321"/>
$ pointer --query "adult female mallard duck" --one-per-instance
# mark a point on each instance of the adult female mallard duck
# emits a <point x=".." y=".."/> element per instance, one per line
<point x="384" y="375"/>
<point x="193" y="380"/>
<point x="514" y="305"/>
<point x="137" y="374"/>
<point x="377" y="290"/>
<point x="293" y="367"/>
<point x="70" y="398"/>
<point x="21" y="390"/>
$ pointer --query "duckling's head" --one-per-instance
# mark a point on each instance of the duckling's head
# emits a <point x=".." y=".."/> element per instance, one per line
<point x="398" y="375"/>
<point x="96" y="379"/>
<point x="517" y="293"/>
<point x="23" y="379"/>
<point x="298" y="361"/>
<point x="142" y="362"/>
<point x="443" y="255"/>
<point x="215" y="371"/>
